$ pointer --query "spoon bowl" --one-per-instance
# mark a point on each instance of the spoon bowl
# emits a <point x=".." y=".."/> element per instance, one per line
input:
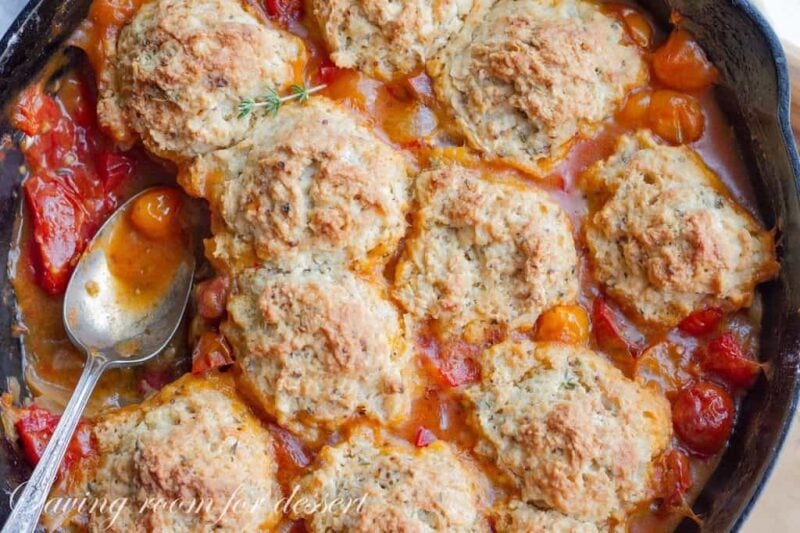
<point x="97" y="316"/>
<point x="100" y="320"/>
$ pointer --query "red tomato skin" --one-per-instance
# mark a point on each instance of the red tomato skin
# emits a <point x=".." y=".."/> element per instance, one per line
<point x="36" y="426"/>
<point x="458" y="366"/>
<point x="212" y="297"/>
<point x="702" y="416"/>
<point x="286" y="11"/>
<point x="212" y="351"/>
<point x="673" y="478"/>
<point x="114" y="168"/>
<point x="424" y="437"/>
<point x="60" y="231"/>
<point x="701" y="322"/>
<point x="604" y="326"/>
<point x="724" y="357"/>
<point x="328" y="72"/>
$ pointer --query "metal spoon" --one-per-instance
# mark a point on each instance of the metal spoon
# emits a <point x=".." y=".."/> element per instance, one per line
<point x="111" y="336"/>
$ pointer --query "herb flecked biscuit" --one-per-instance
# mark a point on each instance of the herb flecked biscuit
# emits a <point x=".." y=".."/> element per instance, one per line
<point x="483" y="251"/>
<point x="386" y="38"/>
<point x="318" y="347"/>
<point x="523" y="80"/>
<point x="665" y="237"/>
<point x="395" y="487"/>
<point x="194" y="443"/>
<point x="311" y="180"/>
<point x="180" y="69"/>
<point x="573" y="433"/>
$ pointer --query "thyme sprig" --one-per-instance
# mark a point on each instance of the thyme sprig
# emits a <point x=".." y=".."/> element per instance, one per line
<point x="272" y="101"/>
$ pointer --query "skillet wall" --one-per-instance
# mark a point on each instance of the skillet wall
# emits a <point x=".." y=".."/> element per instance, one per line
<point x="755" y="91"/>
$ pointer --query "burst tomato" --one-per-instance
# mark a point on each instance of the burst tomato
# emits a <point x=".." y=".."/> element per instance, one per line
<point x="672" y="477"/>
<point x="681" y="64"/>
<point x="604" y="326"/>
<point x="285" y="11"/>
<point x="36" y="426"/>
<point x="212" y="296"/>
<point x="212" y="351"/>
<point x="701" y="322"/>
<point x="702" y="416"/>
<point x="724" y="357"/>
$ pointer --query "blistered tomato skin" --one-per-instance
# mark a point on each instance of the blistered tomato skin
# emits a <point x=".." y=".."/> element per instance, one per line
<point x="681" y="64"/>
<point x="156" y="213"/>
<point x="701" y="322"/>
<point x="675" y="117"/>
<point x="563" y="323"/>
<point x="702" y="416"/>
<point x="212" y="351"/>
<point x="35" y="427"/>
<point x="672" y="478"/>
<point x="604" y="326"/>
<point x="724" y="357"/>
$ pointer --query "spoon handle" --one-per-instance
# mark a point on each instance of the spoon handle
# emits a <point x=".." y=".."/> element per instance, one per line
<point x="29" y="505"/>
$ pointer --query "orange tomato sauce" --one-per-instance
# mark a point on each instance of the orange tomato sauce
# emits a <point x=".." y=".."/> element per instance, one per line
<point x="404" y="113"/>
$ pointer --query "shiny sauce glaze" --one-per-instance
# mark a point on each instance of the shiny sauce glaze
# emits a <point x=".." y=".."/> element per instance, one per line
<point x="77" y="176"/>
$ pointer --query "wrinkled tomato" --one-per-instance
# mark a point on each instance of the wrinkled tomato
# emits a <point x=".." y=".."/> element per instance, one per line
<point x="285" y="11"/>
<point x="212" y="296"/>
<point x="604" y="326"/>
<point x="327" y="72"/>
<point x="672" y="477"/>
<point x="35" y="427"/>
<point x="454" y="361"/>
<point x="702" y="416"/>
<point x="701" y="322"/>
<point x="724" y="357"/>
<point x="424" y="437"/>
<point x="681" y="64"/>
<point x="72" y="175"/>
<point x="211" y="351"/>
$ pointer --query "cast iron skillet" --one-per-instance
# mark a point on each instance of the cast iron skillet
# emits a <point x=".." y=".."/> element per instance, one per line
<point x="754" y="91"/>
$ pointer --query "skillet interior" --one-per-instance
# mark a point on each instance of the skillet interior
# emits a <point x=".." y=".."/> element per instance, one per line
<point x="755" y="93"/>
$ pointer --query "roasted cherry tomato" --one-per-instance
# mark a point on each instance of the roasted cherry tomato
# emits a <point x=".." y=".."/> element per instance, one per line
<point x="563" y="323"/>
<point x="724" y="357"/>
<point x="156" y="213"/>
<point x="424" y="437"/>
<point x="67" y="190"/>
<point x="212" y="295"/>
<point x="681" y="64"/>
<point x="114" y="168"/>
<point x="635" y="110"/>
<point x="701" y="322"/>
<point x="35" y="427"/>
<point x="702" y="416"/>
<point x="672" y="477"/>
<point x="636" y="25"/>
<point x="211" y="351"/>
<point x="604" y="326"/>
<point x="285" y="11"/>
<point x="61" y="230"/>
<point x="454" y="362"/>
<point x="328" y="72"/>
<point x="675" y="117"/>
